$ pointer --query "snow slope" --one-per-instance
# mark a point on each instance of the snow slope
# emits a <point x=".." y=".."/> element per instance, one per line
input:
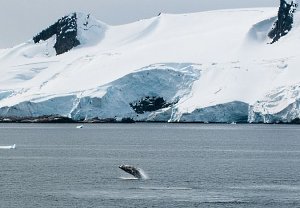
<point x="213" y="66"/>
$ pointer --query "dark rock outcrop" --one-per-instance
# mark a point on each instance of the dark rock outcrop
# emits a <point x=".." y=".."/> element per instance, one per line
<point x="39" y="119"/>
<point x="296" y="121"/>
<point x="149" y="104"/>
<point x="285" y="20"/>
<point x="65" y="30"/>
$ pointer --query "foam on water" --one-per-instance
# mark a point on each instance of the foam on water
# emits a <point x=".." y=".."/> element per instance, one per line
<point x="128" y="178"/>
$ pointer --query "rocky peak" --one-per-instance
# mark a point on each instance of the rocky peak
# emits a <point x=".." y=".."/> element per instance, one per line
<point x="285" y="20"/>
<point x="65" y="30"/>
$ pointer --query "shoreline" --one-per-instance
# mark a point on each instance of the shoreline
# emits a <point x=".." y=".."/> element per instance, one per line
<point x="61" y="119"/>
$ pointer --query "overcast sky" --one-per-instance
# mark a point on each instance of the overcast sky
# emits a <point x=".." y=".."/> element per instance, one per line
<point x="21" y="19"/>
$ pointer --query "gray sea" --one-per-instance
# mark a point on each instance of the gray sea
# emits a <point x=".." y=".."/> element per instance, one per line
<point x="188" y="165"/>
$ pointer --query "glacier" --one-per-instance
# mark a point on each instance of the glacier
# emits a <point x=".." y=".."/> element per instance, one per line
<point x="212" y="67"/>
<point x="282" y="105"/>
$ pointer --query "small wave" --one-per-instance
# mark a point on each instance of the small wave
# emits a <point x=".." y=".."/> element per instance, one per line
<point x="272" y="187"/>
<point x="225" y="203"/>
<point x="166" y="188"/>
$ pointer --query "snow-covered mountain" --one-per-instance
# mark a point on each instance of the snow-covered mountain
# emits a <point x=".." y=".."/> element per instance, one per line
<point x="220" y="66"/>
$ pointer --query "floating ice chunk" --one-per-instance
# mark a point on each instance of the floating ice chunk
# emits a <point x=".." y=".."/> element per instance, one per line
<point x="8" y="147"/>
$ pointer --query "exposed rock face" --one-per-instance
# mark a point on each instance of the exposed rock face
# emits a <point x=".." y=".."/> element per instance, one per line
<point x="65" y="30"/>
<point x="285" y="20"/>
<point x="40" y="119"/>
<point x="149" y="104"/>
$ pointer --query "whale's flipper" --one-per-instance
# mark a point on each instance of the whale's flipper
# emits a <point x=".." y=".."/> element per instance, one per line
<point x="132" y="170"/>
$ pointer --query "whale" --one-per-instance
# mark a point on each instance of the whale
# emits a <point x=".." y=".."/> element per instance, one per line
<point x="136" y="172"/>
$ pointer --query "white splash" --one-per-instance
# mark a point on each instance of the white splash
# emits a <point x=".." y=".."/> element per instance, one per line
<point x="128" y="178"/>
<point x="143" y="174"/>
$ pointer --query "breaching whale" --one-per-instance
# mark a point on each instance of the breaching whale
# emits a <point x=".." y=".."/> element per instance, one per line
<point x="136" y="172"/>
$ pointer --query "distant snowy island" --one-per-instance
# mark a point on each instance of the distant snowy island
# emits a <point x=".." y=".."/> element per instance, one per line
<point x="226" y="66"/>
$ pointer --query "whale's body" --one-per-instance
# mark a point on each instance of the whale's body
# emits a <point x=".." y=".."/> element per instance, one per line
<point x="136" y="172"/>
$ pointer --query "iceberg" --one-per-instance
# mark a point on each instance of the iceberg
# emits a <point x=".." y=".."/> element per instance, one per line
<point x="8" y="147"/>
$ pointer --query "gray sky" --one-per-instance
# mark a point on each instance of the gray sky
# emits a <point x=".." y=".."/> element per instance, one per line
<point x="20" y="20"/>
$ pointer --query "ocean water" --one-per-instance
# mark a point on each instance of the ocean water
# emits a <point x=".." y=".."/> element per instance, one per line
<point x="188" y="165"/>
